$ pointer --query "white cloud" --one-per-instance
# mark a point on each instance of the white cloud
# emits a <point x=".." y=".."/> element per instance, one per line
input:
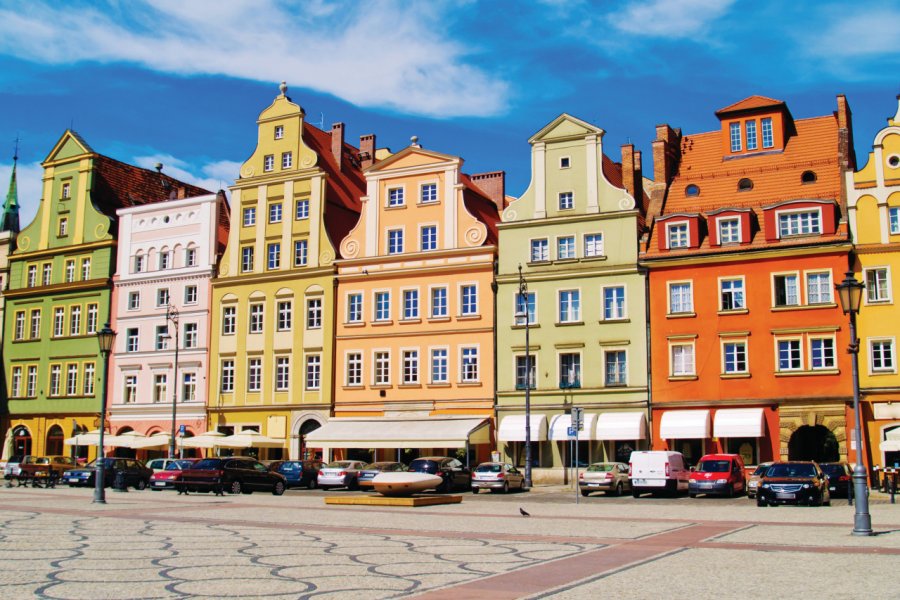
<point x="856" y="34"/>
<point x="669" y="19"/>
<point x="373" y="54"/>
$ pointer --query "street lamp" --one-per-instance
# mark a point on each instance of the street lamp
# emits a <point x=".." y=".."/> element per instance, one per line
<point x="850" y="293"/>
<point x="172" y="315"/>
<point x="105" y="339"/>
<point x="523" y="299"/>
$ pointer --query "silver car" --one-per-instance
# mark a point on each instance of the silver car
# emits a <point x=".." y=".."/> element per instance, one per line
<point x="611" y="478"/>
<point x="341" y="473"/>
<point x="497" y="477"/>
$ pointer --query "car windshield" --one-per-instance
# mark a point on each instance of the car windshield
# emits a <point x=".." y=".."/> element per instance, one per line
<point x="378" y="466"/>
<point x="42" y="461"/>
<point x="30" y="460"/>
<point x="791" y="470"/>
<point x="761" y="470"/>
<point x="713" y="466"/>
<point x="179" y="465"/>
<point x="208" y="464"/>
<point x="339" y="464"/>
<point x="833" y="470"/>
<point x="290" y="466"/>
<point x="601" y="468"/>
<point x="488" y="469"/>
<point x="424" y="466"/>
<point x="107" y="462"/>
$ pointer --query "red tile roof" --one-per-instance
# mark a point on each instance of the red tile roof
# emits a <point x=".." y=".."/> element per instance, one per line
<point x="119" y="185"/>
<point x="479" y="204"/>
<point x="751" y="103"/>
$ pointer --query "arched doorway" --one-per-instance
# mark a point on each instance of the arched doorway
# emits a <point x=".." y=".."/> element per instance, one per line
<point x="306" y="428"/>
<point x="21" y="440"/>
<point x="55" y="439"/>
<point x="813" y="442"/>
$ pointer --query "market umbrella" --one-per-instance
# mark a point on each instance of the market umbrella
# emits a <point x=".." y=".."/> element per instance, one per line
<point x="90" y="438"/>
<point x="207" y="439"/>
<point x="7" y="445"/>
<point x="124" y="440"/>
<point x="157" y="440"/>
<point x="250" y="439"/>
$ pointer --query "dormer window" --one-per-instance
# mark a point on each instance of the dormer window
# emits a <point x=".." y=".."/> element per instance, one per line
<point x="729" y="230"/>
<point x="807" y="222"/>
<point x="768" y="138"/>
<point x="735" y="132"/>
<point x="808" y="177"/>
<point x="745" y="185"/>
<point x="751" y="135"/>
<point x="692" y="190"/>
<point x="677" y="235"/>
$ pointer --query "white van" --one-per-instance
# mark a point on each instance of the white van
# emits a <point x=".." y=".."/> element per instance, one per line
<point x="658" y="471"/>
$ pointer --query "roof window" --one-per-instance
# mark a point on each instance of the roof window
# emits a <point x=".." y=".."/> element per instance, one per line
<point x="808" y="177"/>
<point x="745" y="184"/>
<point x="692" y="190"/>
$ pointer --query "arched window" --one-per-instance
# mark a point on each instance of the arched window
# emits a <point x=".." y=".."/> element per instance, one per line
<point x="55" y="439"/>
<point x="692" y="190"/>
<point x="808" y="177"/>
<point x="745" y="185"/>
<point x="21" y="440"/>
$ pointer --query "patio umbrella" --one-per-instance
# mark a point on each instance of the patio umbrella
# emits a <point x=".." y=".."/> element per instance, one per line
<point x="157" y="440"/>
<point x="90" y="438"/>
<point x="7" y="445"/>
<point x="124" y="440"/>
<point x="207" y="439"/>
<point x="250" y="439"/>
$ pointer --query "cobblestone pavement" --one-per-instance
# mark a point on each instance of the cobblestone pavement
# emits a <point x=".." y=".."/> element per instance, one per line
<point x="57" y="544"/>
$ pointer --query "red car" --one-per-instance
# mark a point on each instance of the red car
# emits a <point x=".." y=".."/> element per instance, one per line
<point x="720" y="474"/>
<point x="166" y="479"/>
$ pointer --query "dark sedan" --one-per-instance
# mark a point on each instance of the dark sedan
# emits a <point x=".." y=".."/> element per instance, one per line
<point x="136" y="474"/>
<point x="840" y="478"/>
<point x="298" y="473"/>
<point x="793" y="483"/>
<point x="372" y="469"/>
<point x="455" y="474"/>
<point x="234" y="474"/>
<point x="169" y="477"/>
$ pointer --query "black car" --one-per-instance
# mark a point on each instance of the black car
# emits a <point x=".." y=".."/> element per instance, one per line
<point x="234" y="474"/>
<point x="840" y="478"/>
<point x="372" y="469"/>
<point x="136" y="473"/>
<point x="455" y="474"/>
<point x="793" y="483"/>
<point x="298" y="473"/>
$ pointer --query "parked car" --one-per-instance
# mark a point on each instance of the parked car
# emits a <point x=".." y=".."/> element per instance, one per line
<point x="372" y="469"/>
<point x="840" y="478"/>
<point x="161" y="464"/>
<point x="657" y="471"/>
<point x="13" y="464"/>
<point x="233" y="474"/>
<point x="298" y="473"/>
<point x="497" y="477"/>
<point x="793" y="483"/>
<point x="136" y="473"/>
<point x="341" y="473"/>
<point x="171" y="476"/>
<point x="720" y="474"/>
<point x="755" y="477"/>
<point x="611" y="478"/>
<point x="455" y="474"/>
<point x="46" y="467"/>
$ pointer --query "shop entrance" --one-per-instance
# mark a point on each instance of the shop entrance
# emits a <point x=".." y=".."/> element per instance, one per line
<point x="813" y="442"/>
<point x="21" y="440"/>
<point x="306" y="428"/>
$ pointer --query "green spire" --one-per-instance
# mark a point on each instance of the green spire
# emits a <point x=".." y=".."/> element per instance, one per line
<point x="9" y="220"/>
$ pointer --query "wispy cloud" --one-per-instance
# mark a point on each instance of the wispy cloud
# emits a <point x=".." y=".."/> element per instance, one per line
<point x="669" y="19"/>
<point x="383" y="54"/>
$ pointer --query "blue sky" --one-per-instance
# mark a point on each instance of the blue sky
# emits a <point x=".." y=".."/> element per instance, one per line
<point x="182" y="82"/>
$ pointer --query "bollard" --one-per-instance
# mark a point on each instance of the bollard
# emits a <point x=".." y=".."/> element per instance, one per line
<point x="893" y="484"/>
<point x="119" y="482"/>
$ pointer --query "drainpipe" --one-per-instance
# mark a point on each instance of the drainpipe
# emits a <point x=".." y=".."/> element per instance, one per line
<point x="646" y="273"/>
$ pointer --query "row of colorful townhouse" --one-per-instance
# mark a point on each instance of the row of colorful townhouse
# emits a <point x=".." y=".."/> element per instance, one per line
<point x="361" y="303"/>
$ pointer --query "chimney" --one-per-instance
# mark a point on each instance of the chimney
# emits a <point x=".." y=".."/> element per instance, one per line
<point x="632" y="178"/>
<point x="493" y="184"/>
<point x="337" y="143"/>
<point x="845" y="133"/>
<point x="666" y="155"/>
<point x="366" y="151"/>
<point x="182" y="192"/>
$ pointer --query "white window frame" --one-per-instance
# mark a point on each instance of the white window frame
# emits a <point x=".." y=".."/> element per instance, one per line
<point x="618" y="315"/>
<point x="593" y="248"/>
<point x="690" y="287"/>
<point x="381" y="359"/>
<point x="722" y="222"/>
<point x="226" y="378"/>
<point x="780" y="214"/>
<point x="353" y="361"/>
<point x="796" y="276"/>
<point x="571" y="246"/>
<point x="870" y="345"/>
<point x="431" y="303"/>
<point x="275" y="212"/>
<point x="670" y="226"/>
<point x="742" y="291"/>
<point x="405" y="295"/>
<point x="889" y="298"/>
<point x="396" y="201"/>
<point x="422" y="187"/>
<point x="395" y="234"/>
<point x="287" y="160"/>
<point x="751" y="134"/>
<point x="894" y="220"/>
<point x="301" y="209"/>
<point x="723" y="342"/>
<point x="410" y="366"/>
<point x="191" y="294"/>
<point x="579" y="372"/>
<point x="464" y="309"/>
<point x="542" y="244"/>
<point x="464" y="373"/>
<point x="799" y="341"/>
<point x="445" y="379"/>
<point x="256" y="319"/>
<point x="519" y="317"/>
<point x="767" y="132"/>
<point x="301" y="253"/>
<point x="282" y="373"/>
<point x="248" y="216"/>
<point x="735" y="143"/>
<point x="422" y="228"/>
<point x="605" y="353"/>
<point x="285" y="315"/>
<point x="809" y="350"/>
<point x="377" y="315"/>
<point x="351" y="298"/>
<point x="828" y="288"/>
<point x="229" y="320"/>
<point x="568" y="195"/>
<point x="673" y="372"/>
<point x="273" y="256"/>
<point x="254" y="381"/>
<point x="268" y="163"/>
<point x="572" y="316"/>
<point x="314" y="312"/>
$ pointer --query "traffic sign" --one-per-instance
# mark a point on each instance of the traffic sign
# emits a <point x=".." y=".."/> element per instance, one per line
<point x="571" y="432"/>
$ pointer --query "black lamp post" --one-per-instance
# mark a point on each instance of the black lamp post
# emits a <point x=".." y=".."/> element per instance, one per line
<point x="172" y="315"/>
<point x="105" y="338"/>
<point x="850" y="293"/>
<point x="523" y="298"/>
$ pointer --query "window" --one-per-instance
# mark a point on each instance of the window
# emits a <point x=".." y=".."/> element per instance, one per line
<point x="189" y="387"/>
<point x="528" y="299"/>
<point x="275" y="212"/>
<point x="285" y="315"/>
<point x="268" y="162"/>
<point x="70" y="271"/>
<point x="439" y="302"/>
<point x="190" y="257"/>
<point x="71" y="380"/>
<point x="731" y="294"/>
<point x="85" y="269"/>
<point x="162" y="297"/>
<point x="16" y="384"/>
<point x="818" y="288"/>
<point x="35" y="324"/>
<point x="614" y="302"/>
<point x="593" y="244"/>
<point x="411" y="366"/>
<point x="301" y="210"/>
<point x="735" y="133"/>
<point x="131" y="340"/>
<point x="615" y="372"/>
<point x="134" y="300"/>
<point x="428" y="193"/>
<point x="254" y="374"/>
<point x="789" y="358"/>
<point x="692" y="190"/>
<point x="19" y="333"/>
<point x="229" y="320"/>
<point x="87" y="384"/>
<point x="75" y="320"/>
<point x="55" y="374"/>
<point x="382" y="368"/>
<point x="159" y="387"/>
<point x="566" y="200"/>
<point x="808" y="177"/>
<point x="768" y="139"/>
<point x="190" y="294"/>
<point x="468" y="298"/>
<point x="63" y="227"/>
<point x="565" y="247"/>
<point x="799" y="223"/>
<point x="165" y="260"/>
<point x="677" y="235"/>
<point x="735" y="357"/>
<point x="287" y="160"/>
<point x="256" y="318"/>
<point x="59" y="321"/>
<point x="894" y="216"/>
<point x="822" y="353"/>
<point x="32" y="275"/>
<point x="139" y="263"/>
<point x="745" y="184"/>
<point x="47" y="274"/>
<point x="569" y="306"/>
<point x="682" y="360"/>
<point x="354" y="368"/>
<point x="162" y="337"/>
<point x="882" y="352"/>
<point x="301" y="248"/>
<point x="130" y="395"/>
<point x="569" y="370"/>
<point x="439" y="370"/>
<point x="729" y="231"/>
<point x="395" y="241"/>
<point x="395" y="197"/>
<point x="246" y="259"/>
<point x="354" y="308"/>
<point x="469" y="365"/>
<point x="314" y="313"/>
<point x="282" y="373"/>
<point x="540" y="251"/>
<point x="274" y="256"/>
<point x="382" y="306"/>
<point x="249" y="216"/>
<point x="428" y="238"/>
<point x="751" y="135"/>
<point x="877" y="285"/>
<point x="786" y="290"/>
<point x="190" y="335"/>
<point x="525" y="371"/>
<point x="92" y="314"/>
<point x="564" y="162"/>
<point x="66" y="190"/>
<point x="227" y="383"/>
<point x="410" y="304"/>
<point x="279" y="132"/>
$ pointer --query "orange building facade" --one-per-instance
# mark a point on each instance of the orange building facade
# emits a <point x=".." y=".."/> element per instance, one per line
<point x="748" y="238"/>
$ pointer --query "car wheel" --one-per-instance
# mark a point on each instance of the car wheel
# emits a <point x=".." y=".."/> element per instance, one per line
<point x="619" y="489"/>
<point x="236" y="487"/>
<point x="278" y="489"/>
<point x="443" y="488"/>
<point x="312" y="484"/>
<point x="761" y="503"/>
<point x="692" y="495"/>
<point x="730" y="492"/>
<point x="585" y="493"/>
<point x="635" y="493"/>
<point x="505" y="487"/>
<point x="475" y="490"/>
<point x="141" y="484"/>
<point x="353" y="485"/>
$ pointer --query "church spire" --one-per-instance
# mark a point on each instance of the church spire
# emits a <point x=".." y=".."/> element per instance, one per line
<point x="9" y="220"/>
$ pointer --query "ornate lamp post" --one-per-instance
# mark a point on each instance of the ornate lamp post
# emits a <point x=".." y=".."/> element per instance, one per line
<point x="172" y="315"/>
<point x="523" y="298"/>
<point x="105" y="338"/>
<point x="850" y="293"/>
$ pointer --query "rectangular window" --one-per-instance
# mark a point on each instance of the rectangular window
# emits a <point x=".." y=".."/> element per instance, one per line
<point x="735" y="357"/>
<point x="677" y="235"/>
<point x="139" y="264"/>
<point x="593" y="244"/>
<point x="614" y="302"/>
<point x="275" y="212"/>
<point x="256" y="318"/>
<point x="162" y="297"/>
<point x="439" y="302"/>
<point x="190" y="257"/>
<point x="439" y="367"/>
<point x="130" y="395"/>
<point x="35" y="324"/>
<point x="525" y="371"/>
<point x="395" y="197"/>
<point x="569" y="306"/>
<point x="285" y="315"/>
<point x="16" y="383"/>
<point x="822" y="353"/>
<point x="768" y="139"/>
<point x="882" y="352"/>
<point x="522" y="301"/>
<point x="877" y="285"/>
<point x="87" y="384"/>
<point x="254" y="374"/>
<point x="301" y="210"/>
<point x="19" y="332"/>
<point x="469" y="366"/>
<point x="75" y="320"/>
<point x="731" y="294"/>
<point x="282" y="373"/>
<point x="279" y="132"/>
<point x="227" y="384"/>
<point x="246" y="259"/>
<point x="59" y="321"/>
<point x="301" y="253"/>
<point x="729" y="231"/>
<point x="569" y="370"/>
<point x="92" y="316"/>
<point x="189" y="387"/>
<point x="382" y="306"/>
<point x="751" y="135"/>
<point x="395" y="241"/>
<point x="249" y="218"/>
<point x="735" y="133"/>
<point x="191" y="336"/>
<point x="66" y="190"/>
<point x="354" y="308"/>
<point x="314" y="313"/>
<point x="786" y="290"/>
<point x="55" y="375"/>
<point x="615" y="368"/>
<point x="190" y="294"/>
<point x="894" y="218"/>
<point x="818" y="288"/>
<point x="165" y="260"/>
<point x="468" y="299"/>
<point x="71" y="380"/>
<point x="799" y="223"/>
<point x="134" y="300"/>
<point x="31" y="381"/>
<point x="789" y="358"/>
<point x="229" y="320"/>
<point x="162" y="337"/>
<point x="410" y="304"/>
<point x="63" y="227"/>
<point x="274" y="256"/>
<point x="70" y="271"/>
<point x="428" y="193"/>
<point x="354" y="368"/>
<point x="85" y="269"/>
<point x="428" y="238"/>
<point x="540" y="251"/>
<point x="566" y="200"/>
<point x="411" y="366"/>
<point x="565" y="247"/>
<point x="32" y="275"/>
<point x="382" y="368"/>
<point x="268" y="162"/>
<point x="46" y="274"/>
<point x="287" y="160"/>
<point x="132" y="340"/>
<point x="682" y="360"/>
<point x="159" y="388"/>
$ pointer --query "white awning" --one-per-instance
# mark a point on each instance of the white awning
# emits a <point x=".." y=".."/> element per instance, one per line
<point x="250" y="439"/>
<point x="890" y="446"/>
<point x="559" y="428"/>
<point x="684" y="425"/>
<point x="400" y="432"/>
<point x="512" y="428"/>
<point x="622" y="426"/>
<point x="739" y="423"/>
